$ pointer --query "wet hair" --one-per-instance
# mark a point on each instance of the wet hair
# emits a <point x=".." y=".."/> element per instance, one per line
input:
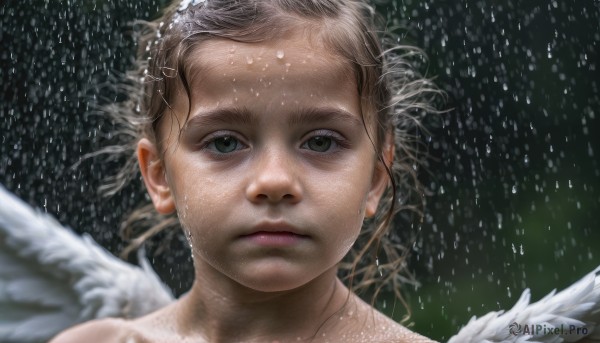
<point x="393" y="96"/>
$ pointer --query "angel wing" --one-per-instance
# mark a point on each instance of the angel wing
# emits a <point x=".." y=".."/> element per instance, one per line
<point x="573" y="315"/>
<point x="51" y="278"/>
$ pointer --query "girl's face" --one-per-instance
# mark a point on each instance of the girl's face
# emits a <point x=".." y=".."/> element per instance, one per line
<point x="273" y="173"/>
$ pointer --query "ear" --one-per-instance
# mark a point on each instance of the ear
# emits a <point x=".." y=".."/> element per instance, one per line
<point x="155" y="179"/>
<point x="381" y="178"/>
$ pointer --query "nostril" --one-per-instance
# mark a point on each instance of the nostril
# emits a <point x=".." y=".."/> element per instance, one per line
<point x="273" y="185"/>
<point x="262" y="197"/>
<point x="274" y="197"/>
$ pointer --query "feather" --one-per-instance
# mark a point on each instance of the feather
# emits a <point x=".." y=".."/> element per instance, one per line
<point x="51" y="278"/>
<point x="572" y="315"/>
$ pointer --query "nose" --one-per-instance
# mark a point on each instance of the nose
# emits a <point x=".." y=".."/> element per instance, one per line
<point x="274" y="179"/>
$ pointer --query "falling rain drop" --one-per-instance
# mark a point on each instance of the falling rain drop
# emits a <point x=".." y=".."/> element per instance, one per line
<point x="484" y="70"/>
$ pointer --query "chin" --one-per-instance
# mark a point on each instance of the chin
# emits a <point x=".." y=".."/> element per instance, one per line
<point x="271" y="279"/>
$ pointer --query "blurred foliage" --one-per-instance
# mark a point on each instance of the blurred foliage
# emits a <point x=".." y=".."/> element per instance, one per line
<point x="513" y="170"/>
<point x="513" y="166"/>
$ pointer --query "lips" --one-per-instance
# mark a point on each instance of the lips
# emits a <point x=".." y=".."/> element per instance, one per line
<point x="278" y="227"/>
<point x="275" y="234"/>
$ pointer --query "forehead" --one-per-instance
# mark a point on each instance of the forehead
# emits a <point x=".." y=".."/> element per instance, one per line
<point x="289" y="63"/>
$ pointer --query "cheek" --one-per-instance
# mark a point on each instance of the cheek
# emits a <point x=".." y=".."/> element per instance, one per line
<point x="343" y="204"/>
<point x="193" y="198"/>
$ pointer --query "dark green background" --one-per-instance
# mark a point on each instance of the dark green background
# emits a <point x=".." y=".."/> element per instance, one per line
<point x="514" y="164"/>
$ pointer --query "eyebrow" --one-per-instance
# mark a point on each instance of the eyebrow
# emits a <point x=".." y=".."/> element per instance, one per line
<point x="323" y="114"/>
<point x="218" y="116"/>
<point x="230" y="115"/>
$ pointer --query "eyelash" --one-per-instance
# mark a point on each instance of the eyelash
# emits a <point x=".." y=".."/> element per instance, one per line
<point x="209" y="143"/>
<point x="338" y="141"/>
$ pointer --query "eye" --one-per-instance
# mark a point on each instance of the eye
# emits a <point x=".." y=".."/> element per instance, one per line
<point x="224" y="144"/>
<point x="325" y="141"/>
<point x="319" y="143"/>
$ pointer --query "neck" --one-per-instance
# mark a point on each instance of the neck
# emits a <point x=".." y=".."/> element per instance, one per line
<point x="221" y="310"/>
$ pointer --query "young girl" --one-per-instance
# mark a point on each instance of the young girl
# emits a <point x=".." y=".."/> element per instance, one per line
<point x="272" y="129"/>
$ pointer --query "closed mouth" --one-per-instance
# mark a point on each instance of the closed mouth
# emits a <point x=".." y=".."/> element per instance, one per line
<point x="274" y="233"/>
<point x="275" y="228"/>
<point x="274" y="239"/>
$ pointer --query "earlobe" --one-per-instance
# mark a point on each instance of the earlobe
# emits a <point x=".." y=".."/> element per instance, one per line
<point x="153" y="172"/>
<point x="381" y="178"/>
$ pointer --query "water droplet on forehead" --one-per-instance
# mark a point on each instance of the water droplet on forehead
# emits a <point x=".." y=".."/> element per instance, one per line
<point x="280" y="54"/>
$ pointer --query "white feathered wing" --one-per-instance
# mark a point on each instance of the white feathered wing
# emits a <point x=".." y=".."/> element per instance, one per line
<point x="578" y="305"/>
<point x="51" y="279"/>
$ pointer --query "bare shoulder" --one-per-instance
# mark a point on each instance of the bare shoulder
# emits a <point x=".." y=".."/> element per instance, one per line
<point x="391" y="331"/>
<point x="102" y="330"/>
<point x="380" y="328"/>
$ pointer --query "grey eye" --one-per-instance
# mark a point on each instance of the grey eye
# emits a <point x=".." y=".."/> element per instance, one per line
<point x="319" y="143"/>
<point x="225" y="144"/>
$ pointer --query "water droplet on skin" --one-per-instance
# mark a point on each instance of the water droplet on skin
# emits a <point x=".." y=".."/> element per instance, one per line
<point x="280" y="54"/>
<point x="188" y="235"/>
<point x="249" y="59"/>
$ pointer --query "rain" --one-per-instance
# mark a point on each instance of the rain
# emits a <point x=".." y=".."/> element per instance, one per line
<point x="512" y="176"/>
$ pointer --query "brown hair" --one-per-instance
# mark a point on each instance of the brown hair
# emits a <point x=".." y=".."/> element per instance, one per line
<point x="390" y="91"/>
